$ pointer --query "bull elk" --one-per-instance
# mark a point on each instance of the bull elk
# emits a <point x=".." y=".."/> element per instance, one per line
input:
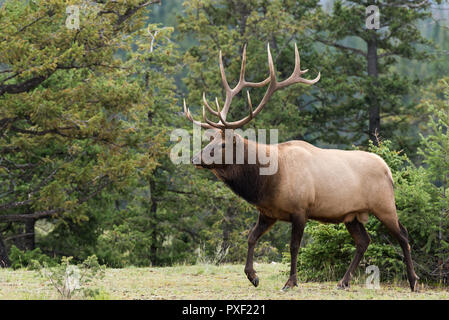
<point x="328" y="185"/>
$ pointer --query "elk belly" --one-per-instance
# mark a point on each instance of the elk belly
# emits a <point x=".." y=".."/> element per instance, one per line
<point x="362" y="217"/>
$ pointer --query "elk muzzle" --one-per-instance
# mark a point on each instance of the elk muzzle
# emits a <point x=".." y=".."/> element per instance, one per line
<point x="197" y="160"/>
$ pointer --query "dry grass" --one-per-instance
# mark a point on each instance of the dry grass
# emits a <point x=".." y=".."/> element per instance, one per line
<point x="205" y="282"/>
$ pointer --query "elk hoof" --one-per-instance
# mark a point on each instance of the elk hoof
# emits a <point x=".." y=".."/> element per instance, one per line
<point x="287" y="287"/>
<point x="252" y="277"/>
<point x="415" y="286"/>
<point x="290" y="285"/>
<point x="255" y="282"/>
<point x="343" y="285"/>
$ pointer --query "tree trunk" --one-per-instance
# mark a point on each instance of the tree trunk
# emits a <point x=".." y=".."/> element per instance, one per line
<point x="153" y="209"/>
<point x="374" y="108"/>
<point x="29" y="240"/>
<point x="440" y="232"/>
<point x="4" y="259"/>
<point x="228" y="224"/>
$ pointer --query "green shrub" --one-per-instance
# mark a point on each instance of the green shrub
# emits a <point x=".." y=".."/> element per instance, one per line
<point x="330" y="250"/>
<point x="327" y="255"/>
<point x="23" y="259"/>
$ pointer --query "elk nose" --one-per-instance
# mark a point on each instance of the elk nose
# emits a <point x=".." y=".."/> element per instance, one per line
<point x="196" y="160"/>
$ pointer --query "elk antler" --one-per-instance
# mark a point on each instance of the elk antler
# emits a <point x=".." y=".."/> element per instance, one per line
<point x="274" y="85"/>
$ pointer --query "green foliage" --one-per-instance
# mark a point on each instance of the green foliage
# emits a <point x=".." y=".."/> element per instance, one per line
<point x="84" y="118"/>
<point x="435" y="156"/>
<point x="354" y="85"/>
<point x="24" y="259"/>
<point x="327" y="253"/>
<point x="96" y="294"/>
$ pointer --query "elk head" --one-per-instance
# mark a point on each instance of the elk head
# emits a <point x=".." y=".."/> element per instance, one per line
<point x="223" y="137"/>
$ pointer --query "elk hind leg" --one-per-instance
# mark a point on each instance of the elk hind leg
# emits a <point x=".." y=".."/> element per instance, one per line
<point x="362" y="240"/>
<point x="398" y="231"/>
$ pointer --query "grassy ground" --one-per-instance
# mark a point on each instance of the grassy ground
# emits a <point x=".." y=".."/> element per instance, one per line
<point x="204" y="282"/>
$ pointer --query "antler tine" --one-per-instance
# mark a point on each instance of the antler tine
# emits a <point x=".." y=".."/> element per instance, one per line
<point x="297" y="72"/>
<point x="271" y="66"/>
<point x="250" y="105"/>
<point x="189" y="116"/>
<point x="230" y="93"/>
<point x="187" y="111"/>
<point x="212" y="124"/>
<point x="298" y="62"/>
<point x="297" y="69"/>
<point x="223" y="74"/>
<point x="215" y="113"/>
<point x="219" y="112"/>
<point x="242" y="68"/>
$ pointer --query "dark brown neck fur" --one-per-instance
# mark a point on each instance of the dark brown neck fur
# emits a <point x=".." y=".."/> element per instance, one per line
<point x="246" y="181"/>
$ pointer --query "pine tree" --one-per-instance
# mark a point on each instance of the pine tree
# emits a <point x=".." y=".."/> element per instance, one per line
<point x="363" y="89"/>
<point x="73" y="123"/>
<point x="435" y="152"/>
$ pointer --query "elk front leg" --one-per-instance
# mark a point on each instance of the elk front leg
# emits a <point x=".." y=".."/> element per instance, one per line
<point x="264" y="223"/>
<point x="298" y="224"/>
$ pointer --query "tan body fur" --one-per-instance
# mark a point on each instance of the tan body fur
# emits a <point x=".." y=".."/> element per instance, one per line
<point x="329" y="185"/>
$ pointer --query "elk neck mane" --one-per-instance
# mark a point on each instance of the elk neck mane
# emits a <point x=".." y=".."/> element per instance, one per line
<point x="245" y="179"/>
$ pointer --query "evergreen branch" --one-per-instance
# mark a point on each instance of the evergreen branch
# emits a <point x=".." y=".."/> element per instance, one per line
<point x="24" y="86"/>
<point x="31" y="216"/>
<point x="43" y="132"/>
<point x="52" y="212"/>
<point x="21" y="235"/>
<point x="405" y="4"/>
<point x="13" y="204"/>
<point x="32" y="83"/>
<point x="340" y="46"/>
<point x="131" y="11"/>
<point x="29" y="24"/>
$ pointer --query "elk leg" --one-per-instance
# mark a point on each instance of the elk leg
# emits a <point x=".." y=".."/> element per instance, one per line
<point x="362" y="240"/>
<point x="264" y="223"/>
<point x="298" y="224"/>
<point x="401" y="234"/>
